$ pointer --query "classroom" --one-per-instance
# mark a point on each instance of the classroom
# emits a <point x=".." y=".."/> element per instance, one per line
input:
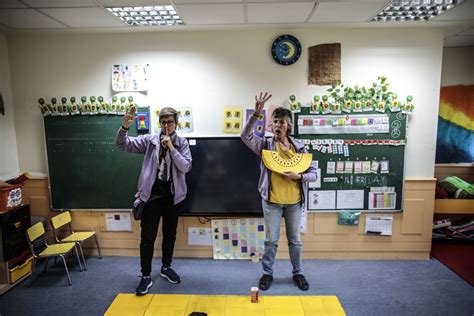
<point x="367" y="231"/>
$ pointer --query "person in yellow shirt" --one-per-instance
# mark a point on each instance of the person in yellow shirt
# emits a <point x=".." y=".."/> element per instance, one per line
<point x="283" y="195"/>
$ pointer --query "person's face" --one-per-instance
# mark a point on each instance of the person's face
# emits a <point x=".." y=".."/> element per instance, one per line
<point x="280" y="127"/>
<point x="168" y="124"/>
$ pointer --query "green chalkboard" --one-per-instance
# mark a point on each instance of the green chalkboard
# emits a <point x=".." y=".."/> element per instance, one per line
<point x="86" y="169"/>
<point x="382" y="142"/>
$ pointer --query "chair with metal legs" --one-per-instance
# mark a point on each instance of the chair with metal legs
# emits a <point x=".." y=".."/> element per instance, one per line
<point x="78" y="237"/>
<point x="40" y="249"/>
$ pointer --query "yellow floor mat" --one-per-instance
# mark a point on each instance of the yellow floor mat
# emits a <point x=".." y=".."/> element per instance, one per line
<point x="224" y="305"/>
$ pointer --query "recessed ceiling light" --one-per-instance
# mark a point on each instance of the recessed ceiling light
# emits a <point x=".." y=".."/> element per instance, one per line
<point x="148" y="15"/>
<point x="414" y="10"/>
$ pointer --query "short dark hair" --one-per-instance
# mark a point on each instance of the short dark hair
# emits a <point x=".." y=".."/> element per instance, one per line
<point x="282" y="112"/>
<point x="168" y="111"/>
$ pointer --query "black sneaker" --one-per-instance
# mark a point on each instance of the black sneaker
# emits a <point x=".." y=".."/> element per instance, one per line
<point x="170" y="275"/>
<point x="301" y="282"/>
<point x="145" y="284"/>
<point x="265" y="282"/>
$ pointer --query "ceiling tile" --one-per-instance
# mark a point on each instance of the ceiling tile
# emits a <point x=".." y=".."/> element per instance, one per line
<point x="60" y="3"/>
<point x="464" y="11"/>
<point x="11" y="4"/>
<point x="459" y="41"/>
<point x="206" y="1"/>
<point x="133" y="3"/>
<point x="84" y="17"/>
<point x="261" y="1"/>
<point x="295" y="12"/>
<point x="209" y="14"/>
<point x="345" y="12"/>
<point x="27" y="19"/>
<point x="467" y="32"/>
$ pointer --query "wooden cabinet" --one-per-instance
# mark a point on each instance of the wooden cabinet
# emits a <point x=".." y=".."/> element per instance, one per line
<point x="14" y="248"/>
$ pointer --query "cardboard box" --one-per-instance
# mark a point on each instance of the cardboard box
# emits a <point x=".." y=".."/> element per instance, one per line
<point x="10" y="196"/>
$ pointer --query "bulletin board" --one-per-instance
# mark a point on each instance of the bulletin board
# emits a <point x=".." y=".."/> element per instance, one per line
<point x="359" y="157"/>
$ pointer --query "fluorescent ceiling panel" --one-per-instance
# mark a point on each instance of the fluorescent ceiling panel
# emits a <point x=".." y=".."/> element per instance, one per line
<point x="132" y="3"/>
<point x="60" y="3"/>
<point x="84" y="17"/>
<point x="459" y="41"/>
<point x="11" y="4"/>
<point x="296" y="12"/>
<point x="464" y="11"/>
<point x="27" y="19"/>
<point x="346" y="12"/>
<point x="211" y="14"/>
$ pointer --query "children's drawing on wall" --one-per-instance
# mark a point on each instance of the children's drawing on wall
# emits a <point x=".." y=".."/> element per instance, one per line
<point x="456" y="125"/>
<point x="130" y="77"/>
<point x="233" y="119"/>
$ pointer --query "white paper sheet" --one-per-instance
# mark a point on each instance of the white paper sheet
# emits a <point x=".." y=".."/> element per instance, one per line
<point x="350" y="199"/>
<point x="199" y="236"/>
<point x="380" y="225"/>
<point x="317" y="183"/>
<point x="118" y="222"/>
<point x="321" y="200"/>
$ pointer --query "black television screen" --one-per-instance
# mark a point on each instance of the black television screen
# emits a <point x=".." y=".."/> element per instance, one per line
<point x="223" y="180"/>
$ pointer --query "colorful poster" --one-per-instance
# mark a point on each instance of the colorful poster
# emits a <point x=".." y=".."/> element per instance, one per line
<point x="185" y="119"/>
<point x="238" y="238"/>
<point x="456" y="125"/>
<point x="129" y="77"/>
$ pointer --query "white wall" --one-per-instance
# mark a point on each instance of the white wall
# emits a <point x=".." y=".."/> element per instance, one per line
<point x="212" y="69"/>
<point x="458" y="66"/>
<point x="8" y="146"/>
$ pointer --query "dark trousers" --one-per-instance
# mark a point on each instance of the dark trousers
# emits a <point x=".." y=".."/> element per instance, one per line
<point x="153" y="210"/>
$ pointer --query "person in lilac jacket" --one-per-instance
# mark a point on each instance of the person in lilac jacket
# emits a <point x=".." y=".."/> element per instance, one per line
<point x="161" y="188"/>
<point x="283" y="195"/>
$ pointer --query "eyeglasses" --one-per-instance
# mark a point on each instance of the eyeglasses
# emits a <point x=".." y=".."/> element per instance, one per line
<point x="167" y="122"/>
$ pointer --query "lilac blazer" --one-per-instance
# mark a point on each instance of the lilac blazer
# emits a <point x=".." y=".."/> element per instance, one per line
<point x="148" y="144"/>
<point x="257" y="144"/>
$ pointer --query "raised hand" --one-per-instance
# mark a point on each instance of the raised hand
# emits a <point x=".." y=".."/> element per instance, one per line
<point x="129" y="117"/>
<point x="260" y="101"/>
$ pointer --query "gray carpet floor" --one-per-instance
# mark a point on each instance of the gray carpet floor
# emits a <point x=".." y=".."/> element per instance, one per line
<point x="364" y="287"/>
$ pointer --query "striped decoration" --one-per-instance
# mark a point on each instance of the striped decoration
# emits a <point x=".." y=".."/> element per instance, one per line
<point x="455" y="141"/>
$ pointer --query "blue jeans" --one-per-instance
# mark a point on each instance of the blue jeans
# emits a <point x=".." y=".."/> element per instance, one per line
<point x="272" y="214"/>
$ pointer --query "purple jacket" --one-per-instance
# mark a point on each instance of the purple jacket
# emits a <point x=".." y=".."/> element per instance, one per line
<point x="148" y="145"/>
<point x="257" y="143"/>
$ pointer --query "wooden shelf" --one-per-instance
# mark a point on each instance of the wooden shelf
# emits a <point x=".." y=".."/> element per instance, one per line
<point x="454" y="206"/>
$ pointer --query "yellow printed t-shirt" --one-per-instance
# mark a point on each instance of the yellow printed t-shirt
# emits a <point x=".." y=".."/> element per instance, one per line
<point x="284" y="190"/>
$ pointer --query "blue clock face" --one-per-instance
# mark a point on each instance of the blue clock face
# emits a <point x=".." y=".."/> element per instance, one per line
<point x="286" y="50"/>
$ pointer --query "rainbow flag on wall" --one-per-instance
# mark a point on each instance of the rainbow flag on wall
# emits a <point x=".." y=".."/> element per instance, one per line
<point x="455" y="141"/>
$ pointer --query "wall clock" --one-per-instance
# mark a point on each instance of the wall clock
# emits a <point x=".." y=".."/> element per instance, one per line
<point x="286" y="49"/>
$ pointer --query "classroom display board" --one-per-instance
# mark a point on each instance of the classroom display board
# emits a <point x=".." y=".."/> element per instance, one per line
<point x="86" y="169"/>
<point x="223" y="179"/>
<point x="359" y="157"/>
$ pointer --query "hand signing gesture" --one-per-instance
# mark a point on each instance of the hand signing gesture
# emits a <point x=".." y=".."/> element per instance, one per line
<point x="166" y="140"/>
<point x="260" y="102"/>
<point x="129" y="117"/>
